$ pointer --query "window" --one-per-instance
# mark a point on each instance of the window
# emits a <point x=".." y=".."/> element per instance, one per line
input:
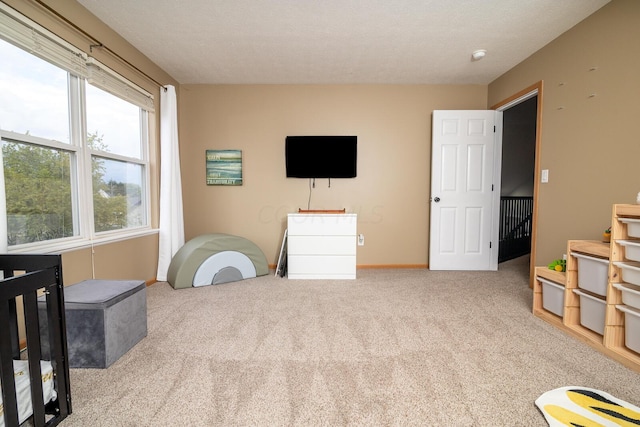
<point x="74" y="142"/>
<point x="31" y="87"/>
<point x="38" y="192"/>
<point x="115" y="141"/>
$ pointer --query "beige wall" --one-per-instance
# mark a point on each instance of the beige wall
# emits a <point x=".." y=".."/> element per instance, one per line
<point x="588" y="143"/>
<point x="134" y="258"/>
<point x="390" y="193"/>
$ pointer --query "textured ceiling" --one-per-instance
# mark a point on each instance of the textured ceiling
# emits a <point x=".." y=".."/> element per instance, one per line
<point x="339" y="41"/>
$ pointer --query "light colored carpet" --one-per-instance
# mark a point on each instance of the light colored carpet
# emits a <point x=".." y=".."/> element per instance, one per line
<point x="391" y="348"/>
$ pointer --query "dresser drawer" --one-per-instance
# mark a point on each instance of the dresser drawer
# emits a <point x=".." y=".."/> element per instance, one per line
<point x="322" y="245"/>
<point x="322" y="225"/>
<point x="321" y="267"/>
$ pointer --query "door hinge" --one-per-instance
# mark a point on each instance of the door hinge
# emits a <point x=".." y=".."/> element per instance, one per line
<point x="491" y="187"/>
<point x="489" y="245"/>
<point x="494" y="129"/>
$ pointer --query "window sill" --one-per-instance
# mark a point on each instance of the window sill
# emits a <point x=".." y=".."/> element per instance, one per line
<point x="73" y="244"/>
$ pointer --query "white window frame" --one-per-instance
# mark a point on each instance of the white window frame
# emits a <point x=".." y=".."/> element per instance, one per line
<point x="35" y="39"/>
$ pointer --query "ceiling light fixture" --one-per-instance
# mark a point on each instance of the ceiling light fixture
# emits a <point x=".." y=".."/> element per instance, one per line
<point x="477" y="55"/>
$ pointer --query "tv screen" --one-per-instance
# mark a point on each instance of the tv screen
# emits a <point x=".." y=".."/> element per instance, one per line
<point x="321" y="156"/>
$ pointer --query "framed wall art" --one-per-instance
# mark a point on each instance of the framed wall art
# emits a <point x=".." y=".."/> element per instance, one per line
<point x="224" y="167"/>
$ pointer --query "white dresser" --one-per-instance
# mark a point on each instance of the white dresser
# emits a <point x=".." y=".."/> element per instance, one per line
<point x="321" y="246"/>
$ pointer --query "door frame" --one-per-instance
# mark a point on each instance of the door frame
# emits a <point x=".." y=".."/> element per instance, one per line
<point x="529" y="92"/>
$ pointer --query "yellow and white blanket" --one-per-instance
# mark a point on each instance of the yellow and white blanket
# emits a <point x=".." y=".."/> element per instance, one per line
<point x="23" y="388"/>
<point x="582" y="406"/>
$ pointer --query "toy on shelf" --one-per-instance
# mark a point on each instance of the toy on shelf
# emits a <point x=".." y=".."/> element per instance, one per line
<point x="606" y="236"/>
<point x="558" y="265"/>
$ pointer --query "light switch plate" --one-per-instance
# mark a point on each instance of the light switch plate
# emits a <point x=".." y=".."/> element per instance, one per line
<point x="544" y="178"/>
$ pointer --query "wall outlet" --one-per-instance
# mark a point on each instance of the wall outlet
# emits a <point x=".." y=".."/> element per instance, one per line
<point x="360" y="239"/>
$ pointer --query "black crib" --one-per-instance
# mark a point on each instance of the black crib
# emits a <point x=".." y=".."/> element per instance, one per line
<point x="27" y="276"/>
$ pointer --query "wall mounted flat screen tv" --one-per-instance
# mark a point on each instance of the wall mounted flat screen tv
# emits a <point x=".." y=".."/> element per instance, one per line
<point x="321" y="156"/>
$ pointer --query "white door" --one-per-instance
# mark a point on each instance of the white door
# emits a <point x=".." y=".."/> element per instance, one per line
<point x="465" y="190"/>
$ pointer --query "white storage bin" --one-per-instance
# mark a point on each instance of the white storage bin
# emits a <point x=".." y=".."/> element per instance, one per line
<point x="552" y="297"/>
<point x="631" y="249"/>
<point x="630" y="271"/>
<point x="631" y="327"/>
<point x="592" y="311"/>
<point x="593" y="273"/>
<point x="630" y="294"/>
<point x="633" y="226"/>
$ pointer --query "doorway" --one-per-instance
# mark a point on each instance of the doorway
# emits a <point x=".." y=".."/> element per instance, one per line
<point x="517" y="177"/>
<point x="522" y="114"/>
